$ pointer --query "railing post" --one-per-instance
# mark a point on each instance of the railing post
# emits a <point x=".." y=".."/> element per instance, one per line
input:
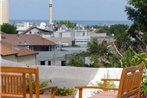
<point x="105" y="85"/>
<point x="30" y="85"/>
<point x="24" y="85"/>
<point x="37" y="82"/>
<point x="53" y="93"/>
<point x="80" y="92"/>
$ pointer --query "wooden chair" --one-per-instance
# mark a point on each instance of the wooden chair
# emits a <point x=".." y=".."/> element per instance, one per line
<point x="129" y="85"/>
<point x="13" y="82"/>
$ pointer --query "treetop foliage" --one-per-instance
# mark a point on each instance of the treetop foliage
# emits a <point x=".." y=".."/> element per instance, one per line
<point x="8" y="28"/>
<point x="67" y="23"/>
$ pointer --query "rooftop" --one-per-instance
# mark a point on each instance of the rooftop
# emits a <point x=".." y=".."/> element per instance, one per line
<point x="9" y="49"/>
<point x="24" y="39"/>
<point x="44" y="31"/>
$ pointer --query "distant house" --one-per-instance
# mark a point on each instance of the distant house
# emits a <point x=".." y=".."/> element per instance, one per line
<point x="64" y="37"/>
<point x="76" y="36"/>
<point x="82" y="37"/>
<point x="39" y="31"/>
<point x="33" y="42"/>
<point x="63" y="28"/>
<point x="17" y="54"/>
<point x="101" y="36"/>
<point x="63" y="41"/>
<point x="21" y="27"/>
<point x="98" y="33"/>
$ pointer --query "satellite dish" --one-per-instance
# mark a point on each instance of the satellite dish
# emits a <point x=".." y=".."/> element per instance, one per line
<point x="42" y="25"/>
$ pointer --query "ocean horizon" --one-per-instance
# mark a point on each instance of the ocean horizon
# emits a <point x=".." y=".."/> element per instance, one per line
<point x="80" y="22"/>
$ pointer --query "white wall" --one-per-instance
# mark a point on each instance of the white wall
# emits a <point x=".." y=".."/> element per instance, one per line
<point x="73" y="76"/>
<point x="29" y="59"/>
<point x="33" y="31"/>
<point x="66" y="34"/>
<point x="10" y="58"/>
<point x="98" y="34"/>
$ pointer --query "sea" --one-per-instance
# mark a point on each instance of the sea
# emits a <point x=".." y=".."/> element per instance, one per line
<point x="80" y="22"/>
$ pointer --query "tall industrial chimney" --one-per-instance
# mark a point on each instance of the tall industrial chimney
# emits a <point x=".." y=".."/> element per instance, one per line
<point x="51" y="13"/>
<point x="4" y="11"/>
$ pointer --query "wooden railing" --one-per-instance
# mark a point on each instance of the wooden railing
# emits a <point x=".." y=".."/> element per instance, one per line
<point x="13" y="81"/>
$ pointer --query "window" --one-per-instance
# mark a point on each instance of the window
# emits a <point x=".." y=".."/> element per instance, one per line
<point x="49" y="62"/>
<point x="42" y="62"/>
<point x="63" y="63"/>
<point x="84" y="34"/>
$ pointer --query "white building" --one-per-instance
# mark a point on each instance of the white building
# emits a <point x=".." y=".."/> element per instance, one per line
<point x="4" y="11"/>
<point x="39" y="31"/>
<point x="82" y="37"/>
<point x="57" y="57"/>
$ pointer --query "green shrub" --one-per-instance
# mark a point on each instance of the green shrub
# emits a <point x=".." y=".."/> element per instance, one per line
<point x="65" y="91"/>
<point x="109" y="84"/>
<point x="138" y="59"/>
<point x="144" y="83"/>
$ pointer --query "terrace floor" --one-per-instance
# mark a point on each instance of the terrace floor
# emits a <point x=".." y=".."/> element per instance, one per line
<point x="41" y="96"/>
<point x="44" y="96"/>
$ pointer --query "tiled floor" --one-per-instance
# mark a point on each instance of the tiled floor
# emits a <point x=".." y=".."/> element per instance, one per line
<point x="48" y="96"/>
<point x="44" y="96"/>
<point x="41" y="96"/>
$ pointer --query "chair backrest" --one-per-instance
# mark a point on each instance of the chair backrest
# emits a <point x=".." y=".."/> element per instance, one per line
<point x="130" y="82"/>
<point x="13" y="81"/>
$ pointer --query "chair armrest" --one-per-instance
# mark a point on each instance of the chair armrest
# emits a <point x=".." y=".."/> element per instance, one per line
<point x="47" y="88"/>
<point x="88" y="87"/>
<point x="91" y="87"/>
<point x="105" y="88"/>
<point x="95" y="87"/>
<point x="110" y="79"/>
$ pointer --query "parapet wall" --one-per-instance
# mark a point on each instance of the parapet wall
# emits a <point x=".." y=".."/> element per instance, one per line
<point x="72" y="76"/>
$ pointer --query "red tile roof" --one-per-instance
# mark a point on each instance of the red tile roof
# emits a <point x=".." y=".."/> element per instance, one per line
<point x="24" y="39"/>
<point x="9" y="49"/>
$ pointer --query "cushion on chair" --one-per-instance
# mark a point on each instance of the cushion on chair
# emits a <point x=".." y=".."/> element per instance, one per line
<point x="134" y="96"/>
<point x="105" y="94"/>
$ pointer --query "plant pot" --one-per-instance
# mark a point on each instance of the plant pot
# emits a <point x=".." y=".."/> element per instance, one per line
<point x="143" y="96"/>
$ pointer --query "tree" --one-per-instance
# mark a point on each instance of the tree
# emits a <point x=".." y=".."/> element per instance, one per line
<point x="67" y="23"/>
<point x="118" y="28"/>
<point x="8" y="28"/>
<point x="137" y="12"/>
<point x="98" y="53"/>
<point x="120" y="35"/>
<point x="76" y="60"/>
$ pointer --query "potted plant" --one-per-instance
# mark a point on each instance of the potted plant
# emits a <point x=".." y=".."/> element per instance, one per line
<point x="144" y="87"/>
<point x="64" y="92"/>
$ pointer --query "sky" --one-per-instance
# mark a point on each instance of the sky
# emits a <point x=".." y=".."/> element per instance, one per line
<point x="68" y="9"/>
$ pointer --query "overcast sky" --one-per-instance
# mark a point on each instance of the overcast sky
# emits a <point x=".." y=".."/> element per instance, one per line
<point x="68" y="9"/>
